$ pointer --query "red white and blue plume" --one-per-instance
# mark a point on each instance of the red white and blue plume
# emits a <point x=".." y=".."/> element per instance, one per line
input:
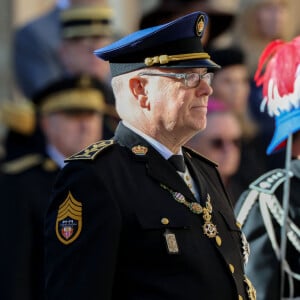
<point x="279" y="73"/>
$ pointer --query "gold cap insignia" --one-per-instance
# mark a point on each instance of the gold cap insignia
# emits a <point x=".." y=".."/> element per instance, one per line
<point x="139" y="150"/>
<point x="69" y="220"/>
<point x="84" y="82"/>
<point x="200" y="25"/>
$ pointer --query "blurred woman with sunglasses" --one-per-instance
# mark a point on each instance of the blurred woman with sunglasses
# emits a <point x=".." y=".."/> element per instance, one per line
<point x="221" y="142"/>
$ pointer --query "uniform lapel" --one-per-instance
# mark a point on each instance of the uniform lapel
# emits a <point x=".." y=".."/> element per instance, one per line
<point x="158" y="168"/>
<point x="163" y="172"/>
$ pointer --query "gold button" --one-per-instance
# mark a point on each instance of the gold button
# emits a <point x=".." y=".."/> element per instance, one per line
<point x="165" y="221"/>
<point x="239" y="225"/>
<point x="187" y="177"/>
<point x="218" y="241"/>
<point x="231" y="267"/>
<point x="49" y="165"/>
<point x="240" y="297"/>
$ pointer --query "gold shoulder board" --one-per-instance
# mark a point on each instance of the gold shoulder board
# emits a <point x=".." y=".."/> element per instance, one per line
<point x="21" y="164"/>
<point x="91" y="151"/>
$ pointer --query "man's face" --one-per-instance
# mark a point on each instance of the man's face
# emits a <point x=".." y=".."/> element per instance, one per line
<point x="71" y="132"/>
<point x="78" y="57"/>
<point x="176" y="108"/>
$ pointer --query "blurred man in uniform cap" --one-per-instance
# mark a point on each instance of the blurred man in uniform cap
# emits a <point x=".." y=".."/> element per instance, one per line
<point x="269" y="209"/>
<point x="83" y="26"/>
<point x="70" y="113"/>
<point x="83" y="30"/>
<point x="139" y="216"/>
<point x="36" y="48"/>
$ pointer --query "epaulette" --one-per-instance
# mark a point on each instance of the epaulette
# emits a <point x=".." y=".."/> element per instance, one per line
<point x="269" y="182"/>
<point x="91" y="151"/>
<point x="21" y="164"/>
<point x="190" y="151"/>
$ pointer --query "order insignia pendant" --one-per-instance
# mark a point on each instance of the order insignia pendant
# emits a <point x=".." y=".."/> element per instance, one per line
<point x="210" y="229"/>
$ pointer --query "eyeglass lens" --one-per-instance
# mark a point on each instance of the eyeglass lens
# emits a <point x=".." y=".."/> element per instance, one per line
<point x="193" y="79"/>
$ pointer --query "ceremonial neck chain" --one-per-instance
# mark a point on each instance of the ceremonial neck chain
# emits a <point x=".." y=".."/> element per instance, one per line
<point x="209" y="229"/>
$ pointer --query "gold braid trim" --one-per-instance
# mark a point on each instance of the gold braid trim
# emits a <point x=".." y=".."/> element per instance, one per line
<point x="74" y="99"/>
<point x="87" y="30"/>
<point x="164" y="59"/>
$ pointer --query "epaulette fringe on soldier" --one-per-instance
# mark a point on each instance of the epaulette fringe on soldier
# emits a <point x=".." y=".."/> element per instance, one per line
<point x="21" y="164"/>
<point x="192" y="151"/>
<point x="262" y="190"/>
<point x="91" y="152"/>
<point x="265" y="184"/>
<point x="269" y="182"/>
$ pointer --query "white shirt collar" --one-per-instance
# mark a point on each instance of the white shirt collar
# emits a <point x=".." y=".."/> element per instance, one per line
<point x="162" y="149"/>
<point x="55" y="155"/>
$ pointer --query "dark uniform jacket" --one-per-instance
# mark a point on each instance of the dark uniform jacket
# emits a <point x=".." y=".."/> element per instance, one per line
<point x="110" y="218"/>
<point x="25" y="186"/>
<point x="263" y="268"/>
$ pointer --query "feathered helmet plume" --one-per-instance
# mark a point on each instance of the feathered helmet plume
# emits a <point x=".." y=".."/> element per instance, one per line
<point x="279" y="73"/>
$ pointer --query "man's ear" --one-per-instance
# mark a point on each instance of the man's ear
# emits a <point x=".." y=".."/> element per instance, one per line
<point x="137" y="86"/>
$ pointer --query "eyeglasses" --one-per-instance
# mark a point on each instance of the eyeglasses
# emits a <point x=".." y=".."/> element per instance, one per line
<point x="219" y="143"/>
<point x="191" y="80"/>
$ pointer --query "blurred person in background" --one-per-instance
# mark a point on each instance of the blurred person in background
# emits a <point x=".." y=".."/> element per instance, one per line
<point x="36" y="58"/>
<point x="83" y="27"/>
<point x="221" y="143"/>
<point x="231" y="86"/>
<point x="70" y="113"/>
<point x="259" y="22"/>
<point x="83" y="30"/>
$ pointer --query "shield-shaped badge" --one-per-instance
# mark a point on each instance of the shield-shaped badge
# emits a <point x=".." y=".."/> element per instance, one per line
<point x="69" y="220"/>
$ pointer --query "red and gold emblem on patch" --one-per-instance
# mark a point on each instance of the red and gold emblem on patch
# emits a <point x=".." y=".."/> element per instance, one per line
<point x="69" y="220"/>
<point x="139" y="150"/>
<point x="200" y="25"/>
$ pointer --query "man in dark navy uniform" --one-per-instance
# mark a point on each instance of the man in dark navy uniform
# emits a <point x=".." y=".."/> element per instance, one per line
<point x="139" y="216"/>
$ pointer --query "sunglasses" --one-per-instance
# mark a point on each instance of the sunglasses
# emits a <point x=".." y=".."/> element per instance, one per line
<point x="219" y="143"/>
